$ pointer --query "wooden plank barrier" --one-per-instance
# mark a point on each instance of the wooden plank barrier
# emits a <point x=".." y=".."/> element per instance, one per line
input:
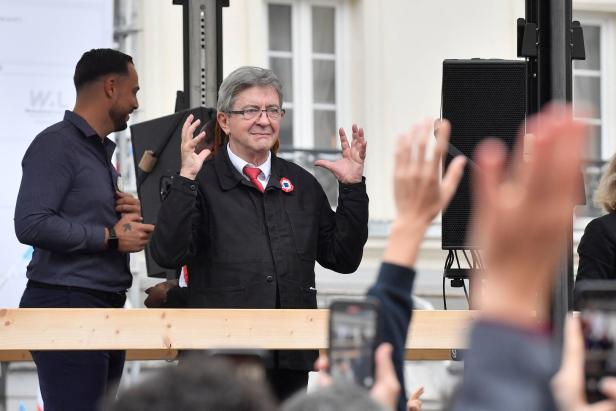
<point x="159" y="333"/>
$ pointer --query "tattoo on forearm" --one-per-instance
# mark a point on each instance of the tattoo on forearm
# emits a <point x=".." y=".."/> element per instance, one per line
<point x="126" y="227"/>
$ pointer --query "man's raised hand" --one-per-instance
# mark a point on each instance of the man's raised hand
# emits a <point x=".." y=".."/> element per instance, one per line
<point x="350" y="168"/>
<point x="191" y="161"/>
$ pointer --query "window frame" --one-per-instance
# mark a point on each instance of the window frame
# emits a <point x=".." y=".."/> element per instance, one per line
<point x="606" y="23"/>
<point x="302" y="62"/>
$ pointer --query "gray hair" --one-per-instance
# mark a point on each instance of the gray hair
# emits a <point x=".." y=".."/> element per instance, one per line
<point x="605" y="196"/>
<point x="241" y="79"/>
<point x="335" y="397"/>
<point x="198" y="384"/>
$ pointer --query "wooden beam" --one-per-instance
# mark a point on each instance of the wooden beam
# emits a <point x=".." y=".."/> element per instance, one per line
<point x="159" y="333"/>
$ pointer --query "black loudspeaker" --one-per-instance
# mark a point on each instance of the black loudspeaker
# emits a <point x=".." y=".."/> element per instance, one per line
<point x="156" y="151"/>
<point x="481" y="98"/>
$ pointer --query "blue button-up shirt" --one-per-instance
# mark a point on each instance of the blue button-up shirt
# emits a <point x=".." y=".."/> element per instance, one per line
<point x="66" y="199"/>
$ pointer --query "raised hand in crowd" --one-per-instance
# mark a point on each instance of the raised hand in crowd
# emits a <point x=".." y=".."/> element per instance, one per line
<point x="414" y="403"/>
<point x="133" y="235"/>
<point x="568" y="383"/>
<point x="418" y="194"/>
<point x="419" y="197"/>
<point x="127" y="203"/>
<point x="521" y="219"/>
<point x="191" y="160"/>
<point x="350" y="168"/>
<point x="523" y="215"/>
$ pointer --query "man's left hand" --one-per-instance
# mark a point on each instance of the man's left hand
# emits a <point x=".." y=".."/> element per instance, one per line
<point x="350" y="168"/>
<point x="157" y="295"/>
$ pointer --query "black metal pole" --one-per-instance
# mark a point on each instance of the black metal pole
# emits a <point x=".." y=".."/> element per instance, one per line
<point x="202" y="51"/>
<point x="550" y="79"/>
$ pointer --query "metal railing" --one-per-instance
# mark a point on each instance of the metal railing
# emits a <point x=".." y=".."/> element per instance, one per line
<point x="306" y="158"/>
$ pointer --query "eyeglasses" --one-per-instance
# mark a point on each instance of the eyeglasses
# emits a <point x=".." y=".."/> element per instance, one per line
<point x="273" y="113"/>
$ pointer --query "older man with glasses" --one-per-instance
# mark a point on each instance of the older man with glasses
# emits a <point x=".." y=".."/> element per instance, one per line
<point x="249" y="225"/>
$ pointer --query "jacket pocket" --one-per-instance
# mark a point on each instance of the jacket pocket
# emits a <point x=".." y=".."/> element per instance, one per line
<point x="305" y="229"/>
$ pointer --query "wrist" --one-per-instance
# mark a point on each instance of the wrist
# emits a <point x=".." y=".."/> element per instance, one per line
<point x="409" y="228"/>
<point x="188" y="174"/>
<point x="403" y="243"/>
<point x="504" y="303"/>
<point x="353" y="180"/>
<point x="111" y="238"/>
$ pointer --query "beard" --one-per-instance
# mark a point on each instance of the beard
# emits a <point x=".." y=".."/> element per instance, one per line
<point x="119" y="119"/>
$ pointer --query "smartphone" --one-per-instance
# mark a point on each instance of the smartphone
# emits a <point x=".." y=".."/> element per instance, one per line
<point x="597" y="302"/>
<point x="353" y="337"/>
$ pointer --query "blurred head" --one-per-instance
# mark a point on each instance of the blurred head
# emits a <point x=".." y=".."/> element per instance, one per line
<point x="250" y="87"/>
<point x="605" y="196"/>
<point x="201" y="384"/>
<point x="113" y="78"/>
<point x="335" y="397"/>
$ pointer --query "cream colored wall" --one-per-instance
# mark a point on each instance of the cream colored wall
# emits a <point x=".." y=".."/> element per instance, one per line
<point x="595" y="5"/>
<point x="406" y="42"/>
<point x="158" y="57"/>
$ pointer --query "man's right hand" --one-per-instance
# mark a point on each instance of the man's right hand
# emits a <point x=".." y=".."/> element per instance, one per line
<point x="132" y="234"/>
<point x="157" y="295"/>
<point x="191" y="161"/>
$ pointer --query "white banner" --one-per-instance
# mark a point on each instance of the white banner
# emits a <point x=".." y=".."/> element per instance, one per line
<point x="40" y="43"/>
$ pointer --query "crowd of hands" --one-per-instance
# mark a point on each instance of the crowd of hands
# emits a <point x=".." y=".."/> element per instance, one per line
<point x="523" y="206"/>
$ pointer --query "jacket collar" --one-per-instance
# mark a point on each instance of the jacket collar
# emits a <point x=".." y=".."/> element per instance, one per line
<point x="80" y="123"/>
<point x="229" y="177"/>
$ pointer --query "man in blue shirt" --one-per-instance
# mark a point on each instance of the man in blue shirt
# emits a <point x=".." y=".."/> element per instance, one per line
<point x="81" y="227"/>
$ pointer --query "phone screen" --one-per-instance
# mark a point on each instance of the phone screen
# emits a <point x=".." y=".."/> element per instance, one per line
<point x="598" y="319"/>
<point x="353" y="335"/>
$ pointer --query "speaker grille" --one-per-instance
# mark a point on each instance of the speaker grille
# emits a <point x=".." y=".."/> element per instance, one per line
<point x="481" y="98"/>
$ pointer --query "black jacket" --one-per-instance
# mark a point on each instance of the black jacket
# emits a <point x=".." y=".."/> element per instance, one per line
<point x="247" y="249"/>
<point x="597" y="251"/>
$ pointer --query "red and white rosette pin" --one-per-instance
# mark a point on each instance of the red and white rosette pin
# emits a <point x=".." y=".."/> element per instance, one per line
<point x="286" y="185"/>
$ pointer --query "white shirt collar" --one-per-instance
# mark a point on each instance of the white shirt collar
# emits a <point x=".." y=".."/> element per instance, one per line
<point x="239" y="164"/>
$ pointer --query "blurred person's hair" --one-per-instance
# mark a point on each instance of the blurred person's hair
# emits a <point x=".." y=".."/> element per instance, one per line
<point x="237" y="81"/>
<point x="605" y="196"/>
<point x="335" y="397"/>
<point x="96" y="63"/>
<point x="201" y="384"/>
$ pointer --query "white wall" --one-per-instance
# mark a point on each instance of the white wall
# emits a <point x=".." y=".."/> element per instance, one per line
<point x="42" y="40"/>
<point x="159" y="57"/>
<point x="405" y="44"/>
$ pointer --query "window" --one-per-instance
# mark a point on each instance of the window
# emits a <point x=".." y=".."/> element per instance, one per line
<point x="592" y="100"/>
<point x="303" y="50"/>
<point x="587" y="89"/>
